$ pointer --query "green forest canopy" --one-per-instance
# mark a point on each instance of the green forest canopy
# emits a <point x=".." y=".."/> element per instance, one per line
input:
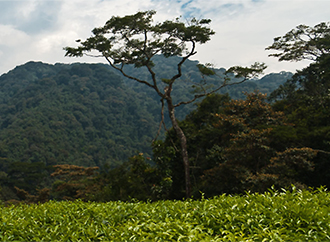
<point x="84" y="114"/>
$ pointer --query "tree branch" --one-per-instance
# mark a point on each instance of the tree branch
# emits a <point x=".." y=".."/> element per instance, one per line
<point x="126" y="75"/>
<point x="191" y="53"/>
<point x="162" y="122"/>
<point x="209" y="93"/>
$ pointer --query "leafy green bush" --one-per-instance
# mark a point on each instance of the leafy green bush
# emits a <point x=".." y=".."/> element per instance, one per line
<point x="281" y="216"/>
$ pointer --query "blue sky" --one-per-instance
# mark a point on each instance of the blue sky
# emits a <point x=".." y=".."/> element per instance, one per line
<point x="37" y="30"/>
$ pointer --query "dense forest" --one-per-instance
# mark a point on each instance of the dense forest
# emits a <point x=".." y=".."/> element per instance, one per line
<point x="84" y="115"/>
<point x="82" y="131"/>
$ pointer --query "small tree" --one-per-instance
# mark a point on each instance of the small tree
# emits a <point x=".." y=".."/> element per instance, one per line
<point x="135" y="39"/>
<point x="75" y="181"/>
<point x="311" y="84"/>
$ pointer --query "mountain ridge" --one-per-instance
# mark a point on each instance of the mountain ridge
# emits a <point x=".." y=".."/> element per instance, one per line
<point x="87" y="114"/>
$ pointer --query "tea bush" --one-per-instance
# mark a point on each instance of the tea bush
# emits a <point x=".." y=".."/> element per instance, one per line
<point x="275" y="215"/>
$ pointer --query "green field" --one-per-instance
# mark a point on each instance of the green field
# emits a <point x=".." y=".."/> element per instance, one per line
<point x="288" y="216"/>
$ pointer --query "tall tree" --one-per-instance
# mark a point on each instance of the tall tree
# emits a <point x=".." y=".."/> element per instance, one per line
<point x="135" y="39"/>
<point x="306" y="97"/>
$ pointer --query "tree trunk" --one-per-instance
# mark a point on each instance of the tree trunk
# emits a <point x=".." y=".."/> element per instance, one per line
<point x="183" y="142"/>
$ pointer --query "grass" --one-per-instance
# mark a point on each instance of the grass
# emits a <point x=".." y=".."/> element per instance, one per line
<point x="279" y="216"/>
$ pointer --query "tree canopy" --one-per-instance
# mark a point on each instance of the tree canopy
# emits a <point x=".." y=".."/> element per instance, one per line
<point x="303" y="42"/>
<point x="65" y="127"/>
<point x="134" y="39"/>
<point x="305" y="97"/>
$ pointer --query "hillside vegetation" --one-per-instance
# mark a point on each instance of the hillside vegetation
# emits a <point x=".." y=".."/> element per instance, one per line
<point x="78" y="114"/>
<point x="79" y="160"/>
<point x="85" y="114"/>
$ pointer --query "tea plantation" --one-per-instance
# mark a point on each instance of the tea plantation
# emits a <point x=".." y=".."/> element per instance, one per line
<point x="272" y="216"/>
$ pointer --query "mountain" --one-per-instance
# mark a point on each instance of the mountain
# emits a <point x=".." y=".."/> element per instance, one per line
<point x="87" y="114"/>
<point x="80" y="114"/>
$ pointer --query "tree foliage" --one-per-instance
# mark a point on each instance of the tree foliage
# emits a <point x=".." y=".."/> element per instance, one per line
<point x="134" y="39"/>
<point x="305" y="97"/>
<point x="134" y="179"/>
<point x="237" y="145"/>
<point x="304" y="42"/>
<point x="79" y="116"/>
<point x="67" y="114"/>
<point x="82" y="114"/>
<point x="245" y="161"/>
<point x="74" y="182"/>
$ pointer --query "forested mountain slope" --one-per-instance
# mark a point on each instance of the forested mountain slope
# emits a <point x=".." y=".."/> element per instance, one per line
<point x="77" y="114"/>
<point x="86" y="114"/>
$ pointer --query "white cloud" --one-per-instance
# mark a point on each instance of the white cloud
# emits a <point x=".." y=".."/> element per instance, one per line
<point x="25" y="10"/>
<point x="9" y="36"/>
<point x="242" y="39"/>
<point x="38" y="30"/>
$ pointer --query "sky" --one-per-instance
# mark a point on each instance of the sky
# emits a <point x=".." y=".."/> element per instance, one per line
<point x="37" y="30"/>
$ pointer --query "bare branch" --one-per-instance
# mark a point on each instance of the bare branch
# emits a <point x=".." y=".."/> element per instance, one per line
<point x="209" y="93"/>
<point x="90" y="55"/>
<point x="191" y="53"/>
<point x="240" y="72"/>
<point x="126" y="75"/>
